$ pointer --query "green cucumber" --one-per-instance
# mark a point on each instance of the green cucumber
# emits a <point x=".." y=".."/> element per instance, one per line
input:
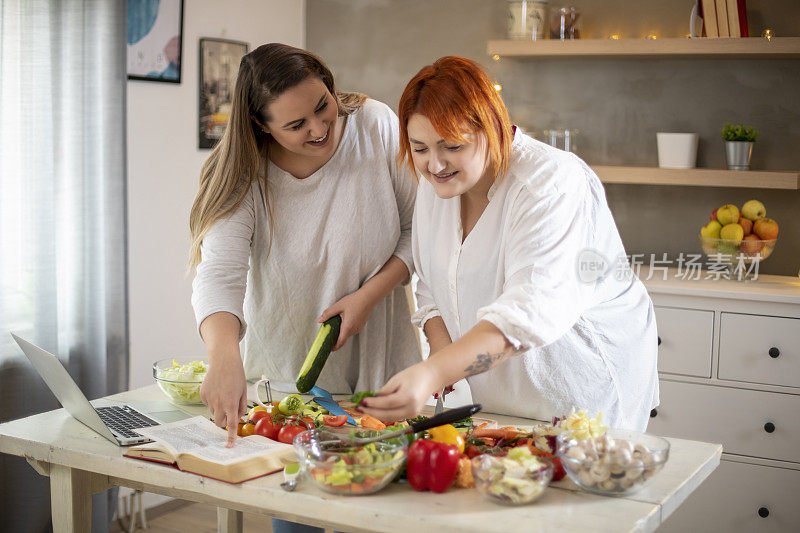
<point x="324" y="342"/>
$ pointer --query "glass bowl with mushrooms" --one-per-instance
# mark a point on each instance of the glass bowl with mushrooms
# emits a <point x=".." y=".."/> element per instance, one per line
<point x="618" y="462"/>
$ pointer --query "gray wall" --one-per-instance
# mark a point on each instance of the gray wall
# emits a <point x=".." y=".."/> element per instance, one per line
<point x="376" y="46"/>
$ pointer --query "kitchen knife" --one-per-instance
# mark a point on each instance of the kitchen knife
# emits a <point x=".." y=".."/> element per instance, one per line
<point x="447" y="417"/>
<point x="333" y="408"/>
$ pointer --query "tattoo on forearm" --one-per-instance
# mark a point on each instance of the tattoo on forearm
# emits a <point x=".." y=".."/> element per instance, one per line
<point x="483" y="362"/>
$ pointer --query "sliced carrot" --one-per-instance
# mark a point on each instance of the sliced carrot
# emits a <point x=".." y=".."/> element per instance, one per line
<point x="371" y="422"/>
<point x="507" y="433"/>
<point x="356" y="487"/>
<point x="369" y="483"/>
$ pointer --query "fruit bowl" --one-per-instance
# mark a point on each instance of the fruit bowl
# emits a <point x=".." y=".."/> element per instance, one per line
<point x="180" y="378"/>
<point x="343" y="468"/>
<point x="619" y="462"/>
<point x="509" y="482"/>
<point x="735" y="251"/>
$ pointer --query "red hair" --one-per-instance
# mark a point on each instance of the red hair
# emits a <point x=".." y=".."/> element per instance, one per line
<point x="452" y="93"/>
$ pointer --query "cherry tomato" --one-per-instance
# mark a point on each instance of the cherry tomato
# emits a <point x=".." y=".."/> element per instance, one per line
<point x="308" y="422"/>
<point x="258" y="415"/>
<point x="266" y="428"/>
<point x="287" y="433"/>
<point x="247" y="429"/>
<point x="254" y="410"/>
<point x="334" y="421"/>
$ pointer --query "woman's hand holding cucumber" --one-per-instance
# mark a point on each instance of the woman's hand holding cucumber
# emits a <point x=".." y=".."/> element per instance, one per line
<point x="354" y="309"/>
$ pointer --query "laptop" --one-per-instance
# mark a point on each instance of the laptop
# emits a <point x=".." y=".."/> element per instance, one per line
<point x="117" y="423"/>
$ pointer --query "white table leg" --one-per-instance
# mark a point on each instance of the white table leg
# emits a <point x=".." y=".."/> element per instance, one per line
<point x="229" y="521"/>
<point x="70" y="499"/>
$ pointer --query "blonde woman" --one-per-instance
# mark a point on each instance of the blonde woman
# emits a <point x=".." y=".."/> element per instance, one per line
<point x="302" y="214"/>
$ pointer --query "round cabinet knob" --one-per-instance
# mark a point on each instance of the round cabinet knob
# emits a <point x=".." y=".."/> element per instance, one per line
<point x="659" y="343"/>
<point x="653" y="413"/>
<point x="763" y="512"/>
<point x="774" y="352"/>
<point x="769" y="427"/>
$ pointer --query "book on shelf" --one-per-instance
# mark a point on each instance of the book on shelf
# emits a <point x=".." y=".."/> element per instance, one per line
<point x="733" y="19"/>
<point x="196" y="445"/>
<point x="710" y="18"/>
<point x="741" y="6"/>
<point x="722" y="18"/>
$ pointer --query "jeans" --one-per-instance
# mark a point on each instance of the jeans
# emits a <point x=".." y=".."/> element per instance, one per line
<point x="284" y="526"/>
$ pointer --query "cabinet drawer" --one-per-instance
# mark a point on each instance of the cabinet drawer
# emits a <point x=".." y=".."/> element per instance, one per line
<point x="734" y="417"/>
<point x="760" y="349"/>
<point x="732" y="496"/>
<point x="685" y="337"/>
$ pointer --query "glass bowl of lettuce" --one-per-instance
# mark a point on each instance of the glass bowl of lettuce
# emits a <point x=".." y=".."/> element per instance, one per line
<point x="180" y="378"/>
<point x="518" y="478"/>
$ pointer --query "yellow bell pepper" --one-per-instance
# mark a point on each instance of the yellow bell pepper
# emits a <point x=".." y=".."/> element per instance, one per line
<point x="447" y="434"/>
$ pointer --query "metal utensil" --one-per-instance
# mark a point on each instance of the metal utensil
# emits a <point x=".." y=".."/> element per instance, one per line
<point x="451" y="415"/>
<point x="439" y="402"/>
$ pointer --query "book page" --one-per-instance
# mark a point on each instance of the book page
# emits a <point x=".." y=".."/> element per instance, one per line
<point x="199" y="437"/>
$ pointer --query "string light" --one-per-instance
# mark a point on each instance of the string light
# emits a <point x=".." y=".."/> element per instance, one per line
<point x="768" y="34"/>
<point x="614" y="37"/>
<point x="496" y="57"/>
<point x="497" y="87"/>
<point x="651" y="36"/>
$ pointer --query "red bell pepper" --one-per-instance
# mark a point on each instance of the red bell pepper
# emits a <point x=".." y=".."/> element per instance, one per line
<point x="432" y="465"/>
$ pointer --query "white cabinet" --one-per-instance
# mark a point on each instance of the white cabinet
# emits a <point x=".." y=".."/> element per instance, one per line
<point x="745" y="422"/>
<point x="729" y="367"/>
<point x="684" y="341"/>
<point x="760" y="349"/>
<point x="741" y="497"/>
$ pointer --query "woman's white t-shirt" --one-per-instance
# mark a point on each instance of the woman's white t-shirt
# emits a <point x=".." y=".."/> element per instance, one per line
<point x="332" y="232"/>
<point x="525" y="267"/>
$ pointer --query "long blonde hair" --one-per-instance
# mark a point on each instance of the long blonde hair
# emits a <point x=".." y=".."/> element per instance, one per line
<point x="236" y="161"/>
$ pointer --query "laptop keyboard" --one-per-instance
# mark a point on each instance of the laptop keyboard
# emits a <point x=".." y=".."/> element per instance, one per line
<point x="123" y="419"/>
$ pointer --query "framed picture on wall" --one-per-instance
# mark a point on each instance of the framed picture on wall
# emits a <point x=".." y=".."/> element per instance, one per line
<point x="219" y="66"/>
<point x="155" y="30"/>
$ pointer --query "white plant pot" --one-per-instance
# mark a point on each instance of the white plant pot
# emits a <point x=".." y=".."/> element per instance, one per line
<point x="677" y="150"/>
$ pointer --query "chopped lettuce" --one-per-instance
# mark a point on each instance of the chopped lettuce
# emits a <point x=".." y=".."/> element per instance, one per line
<point x="182" y="382"/>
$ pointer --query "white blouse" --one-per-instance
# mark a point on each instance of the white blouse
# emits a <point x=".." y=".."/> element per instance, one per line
<point x="588" y="343"/>
<point x="332" y="232"/>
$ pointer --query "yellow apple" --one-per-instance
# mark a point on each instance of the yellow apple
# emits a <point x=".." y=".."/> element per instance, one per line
<point x="728" y="214"/>
<point x="732" y="232"/>
<point x="711" y="230"/>
<point x="753" y="210"/>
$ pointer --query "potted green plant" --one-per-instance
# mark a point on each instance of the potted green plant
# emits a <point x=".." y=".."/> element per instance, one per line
<point x="739" y="141"/>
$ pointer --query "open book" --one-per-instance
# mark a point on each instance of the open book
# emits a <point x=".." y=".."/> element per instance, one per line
<point x="196" y="445"/>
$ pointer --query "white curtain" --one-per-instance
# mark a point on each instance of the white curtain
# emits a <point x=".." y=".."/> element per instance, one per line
<point x="62" y="218"/>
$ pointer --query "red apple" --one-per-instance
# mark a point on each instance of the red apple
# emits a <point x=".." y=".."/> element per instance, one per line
<point x="751" y="245"/>
<point x="713" y="215"/>
<point x="766" y="229"/>
<point x="747" y="226"/>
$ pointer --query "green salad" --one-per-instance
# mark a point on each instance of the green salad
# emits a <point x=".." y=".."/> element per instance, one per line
<point x="182" y="382"/>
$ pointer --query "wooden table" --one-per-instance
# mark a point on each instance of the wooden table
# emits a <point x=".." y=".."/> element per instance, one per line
<point x="80" y="463"/>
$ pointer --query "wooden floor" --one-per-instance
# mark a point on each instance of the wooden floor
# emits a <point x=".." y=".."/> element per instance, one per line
<point x="194" y="517"/>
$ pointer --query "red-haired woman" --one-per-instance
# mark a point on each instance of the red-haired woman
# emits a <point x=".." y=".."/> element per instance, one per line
<point x="505" y="235"/>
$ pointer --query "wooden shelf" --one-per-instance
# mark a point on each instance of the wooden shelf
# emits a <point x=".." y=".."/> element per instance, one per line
<point x="753" y="47"/>
<point x="700" y="177"/>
